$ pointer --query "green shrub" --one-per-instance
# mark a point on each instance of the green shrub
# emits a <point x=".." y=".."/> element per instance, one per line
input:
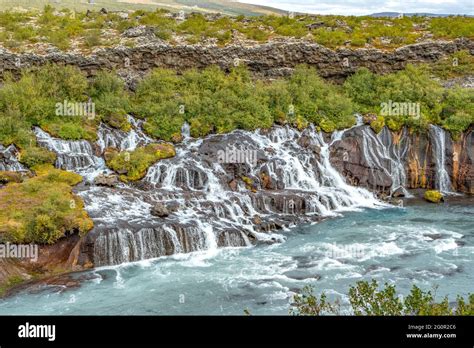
<point x="32" y="156"/>
<point x="92" y="38"/>
<point x="111" y="100"/>
<point x="367" y="299"/>
<point x="362" y="89"/>
<point x="458" y="110"/>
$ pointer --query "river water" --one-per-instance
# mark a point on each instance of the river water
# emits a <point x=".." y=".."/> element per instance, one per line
<point x="424" y="244"/>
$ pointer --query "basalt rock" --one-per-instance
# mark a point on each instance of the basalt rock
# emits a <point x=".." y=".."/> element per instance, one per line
<point x="272" y="59"/>
<point x="367" y="159"/>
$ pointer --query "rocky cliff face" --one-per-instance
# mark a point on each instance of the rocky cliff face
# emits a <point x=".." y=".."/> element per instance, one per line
<point x="271" y="59"/>
<point x="52" y="259"/>
<point x="371" y="160"/>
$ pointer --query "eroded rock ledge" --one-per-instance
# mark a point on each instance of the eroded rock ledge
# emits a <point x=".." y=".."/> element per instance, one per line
<point x="271" y="59"/>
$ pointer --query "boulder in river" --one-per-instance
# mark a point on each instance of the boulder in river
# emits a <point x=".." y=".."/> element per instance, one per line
<point x="433" y="196"/>
<point x="106" y="180"/>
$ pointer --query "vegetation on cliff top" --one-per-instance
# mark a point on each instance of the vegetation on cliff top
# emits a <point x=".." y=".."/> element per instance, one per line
<point x="42" y="209"/>
<point x="66" y="29"/>
<point x="367" y="299"/>
<point x="452" y="108"/>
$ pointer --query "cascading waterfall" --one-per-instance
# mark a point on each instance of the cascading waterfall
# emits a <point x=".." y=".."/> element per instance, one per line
<point x="215" y="204"/>
<point x="111" y="137"/>
<point x="9" y="159"/>
<point x="77" y="155"/>
<point x="384" y="156"/>
<point x="443" y="181"/>
<point x="186" y="131"/>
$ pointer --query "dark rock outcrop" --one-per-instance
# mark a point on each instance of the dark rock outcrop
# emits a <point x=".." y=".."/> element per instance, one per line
<point x="270" y="59"/>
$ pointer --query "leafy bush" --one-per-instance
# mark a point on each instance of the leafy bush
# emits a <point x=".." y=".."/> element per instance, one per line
<point x="458" y="110"/>
<point x="107" y="91"/>
<point x="366" y="299"/>
<point x="32" y="156"/>
<point x="212" y="101"/>
<point x="306" y="303"/>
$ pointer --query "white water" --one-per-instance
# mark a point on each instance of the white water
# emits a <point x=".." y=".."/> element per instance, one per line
<point x="111" y="137"/>
<point x="211" y="214"/>
<point x="382" y="154"/>
<point x="443" y="182"/>
<point x="77" y="156"/>
<point x="9" y="159"/>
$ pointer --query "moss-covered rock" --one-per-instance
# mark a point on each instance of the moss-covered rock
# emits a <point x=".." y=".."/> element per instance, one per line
<point x="33" y="156"/>
<point x="133" y="165"/>
<point x="433" y="196"/>
<point x="378" y="124"/>
<point x="42" y="209"/>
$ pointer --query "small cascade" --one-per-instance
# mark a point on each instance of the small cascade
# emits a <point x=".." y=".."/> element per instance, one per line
<point x="112" y="137"/>
<point x="384" y="157"/>
<point x="73" y="155"/>
<point x="443" y="181"/>
<point x="186" y="131"/>
<point x="9" y="159"/>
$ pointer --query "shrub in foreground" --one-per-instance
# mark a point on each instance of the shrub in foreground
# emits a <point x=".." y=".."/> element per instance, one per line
<point x="367" y="299"/>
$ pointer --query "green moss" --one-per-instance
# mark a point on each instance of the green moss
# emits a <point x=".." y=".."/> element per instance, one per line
<point x="249" y="183"/>
<point x="378" y="124"/>
<point x="43" y="208"/>
<point x="394" y="124"/>
<point x="133" y="165"/>
<point x="70" y="129"/>
<point x="9" y="283"/>
<point x="433" y="196"/>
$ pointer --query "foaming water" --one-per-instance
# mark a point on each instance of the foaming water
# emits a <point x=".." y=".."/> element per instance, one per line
<point x="426" y="245"/>
<point x="443" y="182"/>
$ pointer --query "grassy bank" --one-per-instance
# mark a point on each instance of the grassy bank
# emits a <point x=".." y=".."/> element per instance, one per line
<point x="42" y="209"/>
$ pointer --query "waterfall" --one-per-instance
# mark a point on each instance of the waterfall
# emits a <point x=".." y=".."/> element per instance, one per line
<point x="186" y="131"/>
<point x="304" y="190"/>
<point x="9" y="159"/>
<point x="111" y="137"/>
<point x="443" y="181"/>
<point x="73" y="155"/>
<point x="209" y="203"/>
<point x="384" y="156"/>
